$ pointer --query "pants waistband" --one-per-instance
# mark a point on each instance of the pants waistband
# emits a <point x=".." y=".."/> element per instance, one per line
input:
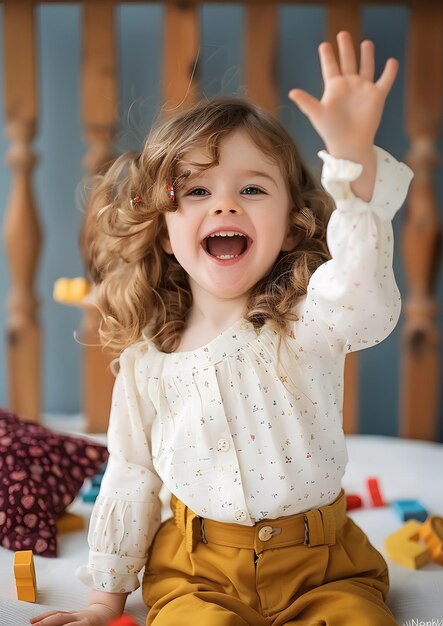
<point x="312" y="528"/>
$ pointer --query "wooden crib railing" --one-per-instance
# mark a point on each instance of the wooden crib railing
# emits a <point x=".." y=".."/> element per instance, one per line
<point x="419" y="359"/>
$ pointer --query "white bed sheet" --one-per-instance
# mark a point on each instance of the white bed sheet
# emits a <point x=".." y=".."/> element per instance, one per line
<point x="406" y="469"/>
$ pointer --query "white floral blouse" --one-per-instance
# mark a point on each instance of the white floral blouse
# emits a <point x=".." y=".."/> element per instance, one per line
<point x="237" y="430"/>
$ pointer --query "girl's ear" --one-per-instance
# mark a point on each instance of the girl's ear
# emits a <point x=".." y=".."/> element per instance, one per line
<point x="290" y="241"/>
<point x="164" y="239"/>
<point x="166" y="244"/>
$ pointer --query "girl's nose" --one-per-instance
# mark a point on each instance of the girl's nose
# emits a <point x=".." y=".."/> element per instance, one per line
<point x="226" y="208"/>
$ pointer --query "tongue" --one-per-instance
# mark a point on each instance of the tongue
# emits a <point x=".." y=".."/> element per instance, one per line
<point x="219" y="246"/>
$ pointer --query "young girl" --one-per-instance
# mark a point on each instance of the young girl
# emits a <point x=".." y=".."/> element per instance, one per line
<point x="233" y="317"/>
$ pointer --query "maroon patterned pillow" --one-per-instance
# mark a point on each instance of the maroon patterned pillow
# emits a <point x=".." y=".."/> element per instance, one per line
<point x="41" y="472"/>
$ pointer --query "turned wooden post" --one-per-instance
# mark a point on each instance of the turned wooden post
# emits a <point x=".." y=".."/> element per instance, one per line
<point x="346" y="16"/>
<point x="100" y="115"/>
<point x="420" y="379"/>
<point x="22" y="228"/>
<point x="181" y="50"/>
<point x="261" y="54"/>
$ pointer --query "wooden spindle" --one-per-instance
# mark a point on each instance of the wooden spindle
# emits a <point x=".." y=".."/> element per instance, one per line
<point x="100" y="115"/>
<point x="21" y="227"/>
<point x="420" y="366"/>
<point x="181" y="50"/>
<point x="261" y="54"/>
<point x="346" y="16"/>
<point x="342" y="15"/>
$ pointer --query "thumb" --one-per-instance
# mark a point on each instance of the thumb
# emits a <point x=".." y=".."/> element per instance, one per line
<point x="307" y="104"/>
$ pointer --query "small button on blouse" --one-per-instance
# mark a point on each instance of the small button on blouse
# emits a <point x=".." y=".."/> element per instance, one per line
<point x="240" y="516"/>
<point x="223" y="445"/>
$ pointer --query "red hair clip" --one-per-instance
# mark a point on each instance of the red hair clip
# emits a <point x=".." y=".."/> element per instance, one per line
<point x="171" y="192"/>
<point x="136" y="201"/>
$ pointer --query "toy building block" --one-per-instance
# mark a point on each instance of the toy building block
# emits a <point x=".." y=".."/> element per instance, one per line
<point x="91" y="494"/>
<point x="24" y="572"/>
<point x="404" y="548"/>
<point x="71" y="291"/>
<point x="374" y="491"/>
<point x="69" y="522"/>
<point x="410" y="509"/>
<point x="353" y="501"/>
<point x="432" y="534"/>
<point x="124" y="620"/>
<point x="96" y="480"/>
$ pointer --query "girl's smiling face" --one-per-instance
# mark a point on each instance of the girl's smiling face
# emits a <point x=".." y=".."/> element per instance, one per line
<point x="244" y="194"/>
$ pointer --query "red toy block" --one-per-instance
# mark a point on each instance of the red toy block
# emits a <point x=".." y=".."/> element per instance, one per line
<point x="124" y="620"/>
<point x="374" y="491"/>
<point x="353" y="501"/>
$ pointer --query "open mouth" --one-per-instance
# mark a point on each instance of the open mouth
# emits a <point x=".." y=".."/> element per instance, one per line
<point x="226" y="245"/>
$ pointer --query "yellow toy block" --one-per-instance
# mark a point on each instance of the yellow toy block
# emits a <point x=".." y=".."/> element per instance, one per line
<point x="24" y="572"/>
<point x="431" y="532"/>
<point x="71" y="291"/>
<point x="69" y="522"/>
<point x="404" y="548"/>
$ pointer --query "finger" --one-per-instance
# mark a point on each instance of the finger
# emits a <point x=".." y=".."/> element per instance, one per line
<point x="367" y="63"/>
<point x="328" y="62"/>
<point x="54" y="618"/>
<point x="38" y="618"/>
<point x="346" y="52"/>
<point x="307" y="104"/>
<point x="386" y="80"/>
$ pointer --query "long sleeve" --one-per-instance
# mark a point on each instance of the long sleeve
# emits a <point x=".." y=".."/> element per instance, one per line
<point x="353" y="299"/>
<point x="127" y="512"/>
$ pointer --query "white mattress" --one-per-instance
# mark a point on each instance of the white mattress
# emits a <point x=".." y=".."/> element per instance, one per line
<point x="406" y="469"/>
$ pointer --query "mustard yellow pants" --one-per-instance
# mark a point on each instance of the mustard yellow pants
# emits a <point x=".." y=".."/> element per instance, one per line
<point x="312" y="569"/>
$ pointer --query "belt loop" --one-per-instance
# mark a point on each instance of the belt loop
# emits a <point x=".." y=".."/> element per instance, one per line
<point x="202" y="530"/>
<point x="329" y="524"/>
<point x="193" y="530"/>
<point x="314" y="535"/>
<point x="189" y="538"/>
<point x="179" y="516"/>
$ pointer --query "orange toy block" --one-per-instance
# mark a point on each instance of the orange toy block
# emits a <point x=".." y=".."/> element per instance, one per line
<point x="71" y="291"/>
<point x="431" y="532"/>
<point x="69" y="522"/>
<point x="404" y="548"/>
<point x="24" y="572"/>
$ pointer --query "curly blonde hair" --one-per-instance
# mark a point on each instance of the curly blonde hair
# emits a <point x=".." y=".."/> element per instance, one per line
<point x="140" y="289"/>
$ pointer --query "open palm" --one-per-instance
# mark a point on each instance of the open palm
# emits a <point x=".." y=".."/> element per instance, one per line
<point x="351" y="107"/>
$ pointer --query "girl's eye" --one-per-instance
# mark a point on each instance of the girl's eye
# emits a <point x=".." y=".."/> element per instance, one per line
<point x="198" y="191"/>
<point x="252" y="191"/>
<point x="249" y="191"/>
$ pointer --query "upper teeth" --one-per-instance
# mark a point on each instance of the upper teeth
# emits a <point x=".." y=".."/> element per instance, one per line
<point x="226" y="233"/>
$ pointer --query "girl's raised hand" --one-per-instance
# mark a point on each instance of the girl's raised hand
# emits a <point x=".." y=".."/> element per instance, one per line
<point x="349" y="112"/>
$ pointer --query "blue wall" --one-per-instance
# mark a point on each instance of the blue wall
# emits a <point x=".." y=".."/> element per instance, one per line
<point x="61" y="148"/>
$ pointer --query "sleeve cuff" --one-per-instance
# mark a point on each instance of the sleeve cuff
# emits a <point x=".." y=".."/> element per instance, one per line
<point x="390" y="188"/>
<point x="107" y="572"/>
<point x="338" y="169"/>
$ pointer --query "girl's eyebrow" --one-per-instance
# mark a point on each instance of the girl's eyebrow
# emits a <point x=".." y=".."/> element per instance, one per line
<point x="259" y="173"/>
